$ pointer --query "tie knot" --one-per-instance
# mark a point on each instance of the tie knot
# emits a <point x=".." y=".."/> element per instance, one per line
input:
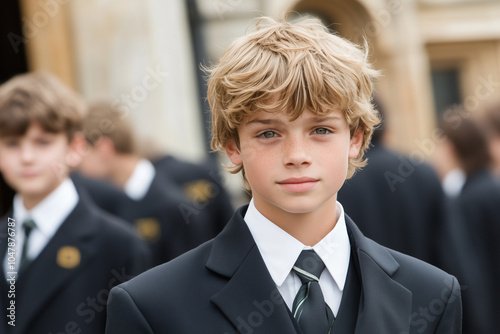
<point x="28" y="226"/>
<point x="308" y="266"/>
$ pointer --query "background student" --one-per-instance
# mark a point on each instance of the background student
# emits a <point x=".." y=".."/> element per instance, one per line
<point x="473" y="231"/>
<point x="396" y="201"/>
<point x="160" y="210"/>
<point x="69" y="254"/>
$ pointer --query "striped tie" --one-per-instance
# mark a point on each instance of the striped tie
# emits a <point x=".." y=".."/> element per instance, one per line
<point x="309" y="308"/>
<point x="28" y="226"/>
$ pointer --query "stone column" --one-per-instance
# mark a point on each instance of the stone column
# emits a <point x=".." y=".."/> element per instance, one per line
<point x="405" y="85"/>
<point x="47" y="38"/>
<point x="138" y="53"/>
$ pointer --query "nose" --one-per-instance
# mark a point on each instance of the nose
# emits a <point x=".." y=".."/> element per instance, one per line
<point x="296" y="152"/>
<point x="27" y="153"/>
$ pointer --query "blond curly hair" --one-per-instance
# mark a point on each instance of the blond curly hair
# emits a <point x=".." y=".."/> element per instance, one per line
<point x="292" y="67"/>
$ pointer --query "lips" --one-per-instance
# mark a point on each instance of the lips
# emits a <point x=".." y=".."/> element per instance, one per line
<point x="28" y="174"/>
<point x="298" y="184"/>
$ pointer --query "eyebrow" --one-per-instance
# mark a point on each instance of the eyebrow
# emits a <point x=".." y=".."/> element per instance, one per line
<point x="325" y="119"/>
<point x="267" y="121"/>
<point x="264" y="121"/>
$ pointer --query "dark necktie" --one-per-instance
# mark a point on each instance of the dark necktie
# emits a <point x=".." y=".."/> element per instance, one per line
<point x="28" y="227"/>
<point x="309" y="307"/>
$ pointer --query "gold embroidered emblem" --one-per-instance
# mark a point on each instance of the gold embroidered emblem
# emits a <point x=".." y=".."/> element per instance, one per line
<point x="68" y="257"/>
<point x="148" y="229"/>
<point x="200" y="191"/>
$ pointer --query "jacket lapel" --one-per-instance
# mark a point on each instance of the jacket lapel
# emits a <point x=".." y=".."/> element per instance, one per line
<point x="66" y="255"/>
<point x="252" y="303"/>
<point x="385" y="306"/>
<point x="250" y="299"/>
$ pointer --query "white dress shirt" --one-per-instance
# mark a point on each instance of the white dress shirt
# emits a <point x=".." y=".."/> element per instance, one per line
<point x="48" y="216"/>
<point x="280" y="251"/>
<point x="139" y="182"/>
<point x="453" y="182"/>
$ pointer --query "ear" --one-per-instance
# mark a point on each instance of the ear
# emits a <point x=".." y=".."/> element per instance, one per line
<point x="355" y="143"/>
<point x="76" y="151"/>
<point x="106" y="146"/>
<point x="233" y="153"/>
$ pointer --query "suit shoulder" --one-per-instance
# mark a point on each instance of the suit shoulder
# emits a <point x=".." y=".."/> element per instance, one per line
<point x="483" y="185"/>
<point x="187" y="267"/>
<point x="418" y="273"/>
<point x="111" y="226"/>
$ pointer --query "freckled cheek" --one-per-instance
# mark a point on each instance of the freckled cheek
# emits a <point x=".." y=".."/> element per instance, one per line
<point x="250" y="154"/>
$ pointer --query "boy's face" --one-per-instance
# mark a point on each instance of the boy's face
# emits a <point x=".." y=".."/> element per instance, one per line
<point x="294" y="166"/>
<point x="35" y="163"/>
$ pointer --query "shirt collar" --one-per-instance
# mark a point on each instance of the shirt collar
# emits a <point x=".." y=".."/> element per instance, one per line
<point x="51" y="212"/>
<point x="280" y="250"/>
<point x="139" y="182"/>
<point x="453" y="182"/>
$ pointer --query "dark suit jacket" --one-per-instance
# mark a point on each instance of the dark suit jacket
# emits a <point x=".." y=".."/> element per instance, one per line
<point x="163" y="217"/>
<point x="204" y="187"/>
<point x="105" y="194"/>
<point x="224" y="286"/>
<point x="472" y="249"/>
<point x="65" y="288"/>
<point x="398" y="202"/>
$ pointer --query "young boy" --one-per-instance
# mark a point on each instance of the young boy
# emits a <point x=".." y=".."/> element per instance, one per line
<point x="291" y="107"/>
<point x="159" y="209"/>
<point x="59" y="254"/>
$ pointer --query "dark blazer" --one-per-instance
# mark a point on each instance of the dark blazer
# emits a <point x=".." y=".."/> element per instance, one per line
<point x="202" y="184"/>
<point x="65" y="288"/>
<point x="223" y="286"/>
<point x="164" y="218"/>
<point x="105" y="194"/>
<point x="398" y="202"/>
<point x="472" y="249"/>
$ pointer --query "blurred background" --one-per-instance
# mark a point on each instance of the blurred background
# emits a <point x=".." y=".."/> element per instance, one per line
<point x="440" y="65"/>
<point x="146" y="57"/>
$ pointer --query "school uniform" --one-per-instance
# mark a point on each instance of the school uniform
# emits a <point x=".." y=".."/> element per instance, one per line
<point x="202" y="185"/>
<point x="398" y="202"/>
<point x="471" y="248"/>
<point x="78" y="253"/>
<point x="158" y="211"/>
<point x="226" y="286"/>
<point x="104" y="194"/>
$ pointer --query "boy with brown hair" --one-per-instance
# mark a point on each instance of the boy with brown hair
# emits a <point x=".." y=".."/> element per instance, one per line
<point x="60" y="254"/>
<point x="291" y="108"/>
<point x="154" y="203"/>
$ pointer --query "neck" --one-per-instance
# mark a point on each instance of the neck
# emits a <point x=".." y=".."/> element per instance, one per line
<point x="122" y="169"/>
<point x="309" y="227"/>
<point x="496" y="171"/>
<point x="32" y="200"/>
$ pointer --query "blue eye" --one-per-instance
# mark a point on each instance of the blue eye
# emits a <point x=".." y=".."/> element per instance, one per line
<point x="268" y="134"/>
<point x="321" y="131"/>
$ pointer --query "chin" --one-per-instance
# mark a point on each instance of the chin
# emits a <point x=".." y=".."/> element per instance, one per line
<point x="305" y="205"/>
<point x="299" y="207"/>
